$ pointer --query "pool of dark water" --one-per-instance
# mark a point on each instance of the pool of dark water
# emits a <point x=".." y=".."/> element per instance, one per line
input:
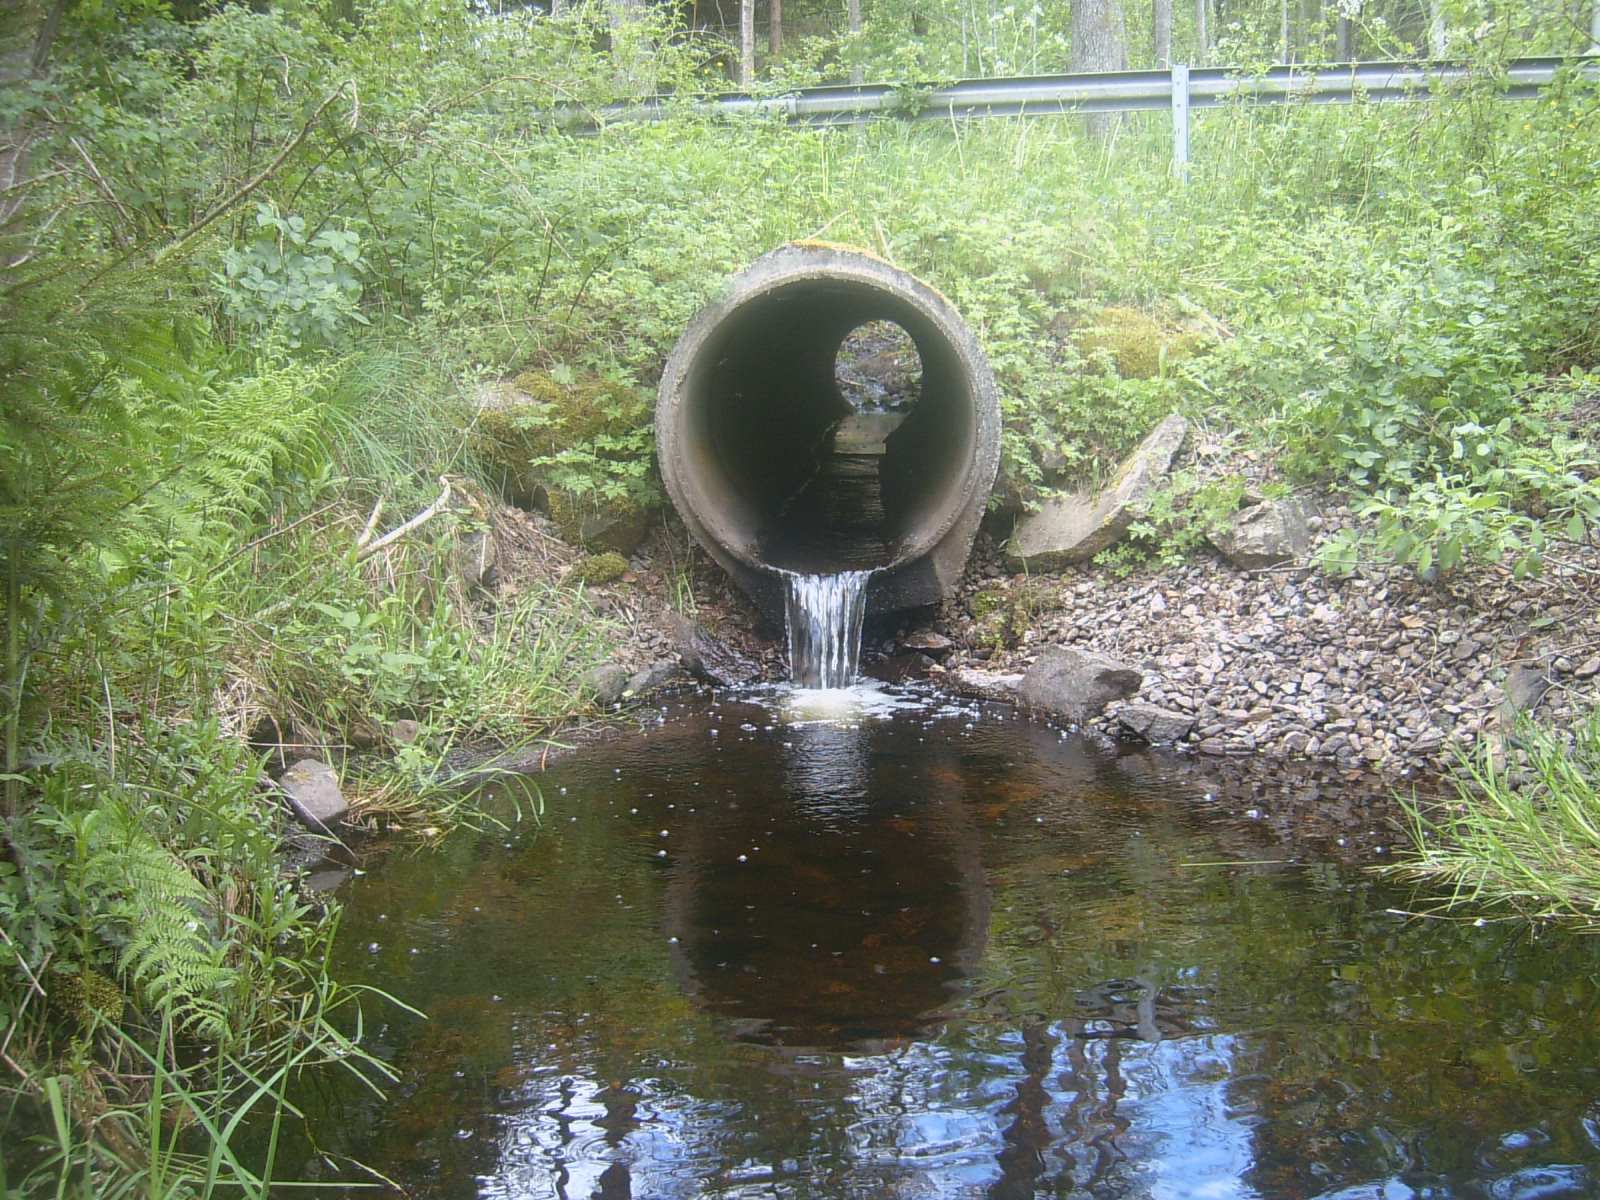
<point x="897" y="949"/>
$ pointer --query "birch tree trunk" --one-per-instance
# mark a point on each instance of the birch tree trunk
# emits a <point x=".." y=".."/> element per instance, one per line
<point x="1309" y="15"/>
<point x="1202" y="42"/>
<point x="747" y="43"/>
<point x="1438" y="38"/>
<point x="1099" y="43"/>
<point x="775" y="28"/>
<point x="1162" y="21"/>
<point x="853" y="13"/>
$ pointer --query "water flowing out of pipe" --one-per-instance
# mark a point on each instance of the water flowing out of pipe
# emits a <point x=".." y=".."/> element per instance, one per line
<point x="823" y="613"/>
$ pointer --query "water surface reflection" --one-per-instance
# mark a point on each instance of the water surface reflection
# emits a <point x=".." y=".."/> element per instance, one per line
<point x="901" y="952"/>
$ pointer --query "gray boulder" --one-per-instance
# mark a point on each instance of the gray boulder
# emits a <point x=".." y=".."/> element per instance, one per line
<point x="652" y="677"/>
<point x="983" y="685"/>
<point x="1265" y="534"/>
<point x="1076" y="685"/>
<point x="605" y="684"/>
<point x="312" y="789"/>
<point x="1524" y="688"/>
<point x="706" y="657"/>
<point x="1073" y="529"/>
<point x="1159" y="726"/>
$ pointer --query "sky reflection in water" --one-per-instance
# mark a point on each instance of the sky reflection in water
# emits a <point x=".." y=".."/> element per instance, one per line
<point x="881" y="950"/>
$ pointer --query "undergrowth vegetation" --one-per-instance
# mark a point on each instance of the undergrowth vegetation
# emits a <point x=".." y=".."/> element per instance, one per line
<point x="258" y="266"/>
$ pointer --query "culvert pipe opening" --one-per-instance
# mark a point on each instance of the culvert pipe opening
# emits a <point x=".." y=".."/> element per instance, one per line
<point x="785" y="446"/>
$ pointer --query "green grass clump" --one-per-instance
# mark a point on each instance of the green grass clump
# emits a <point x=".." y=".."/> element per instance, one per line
<point x="1527" y="837"/>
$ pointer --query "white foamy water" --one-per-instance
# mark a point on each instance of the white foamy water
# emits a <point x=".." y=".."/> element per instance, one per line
<point x="823" y="613"/>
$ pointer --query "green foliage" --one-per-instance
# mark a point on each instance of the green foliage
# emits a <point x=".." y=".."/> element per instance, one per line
<point x="1177" y="522"/>
<point x="302" y="287"/>
<point x="1525" y="837"/>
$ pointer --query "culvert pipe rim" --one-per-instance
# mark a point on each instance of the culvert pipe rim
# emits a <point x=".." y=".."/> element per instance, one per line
<point x="748" y="405"/>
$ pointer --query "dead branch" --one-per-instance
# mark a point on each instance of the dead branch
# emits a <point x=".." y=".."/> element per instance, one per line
<point x="433" y="510"/>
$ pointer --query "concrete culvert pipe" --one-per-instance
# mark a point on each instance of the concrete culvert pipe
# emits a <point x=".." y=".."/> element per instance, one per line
<point x="773" y="468"/>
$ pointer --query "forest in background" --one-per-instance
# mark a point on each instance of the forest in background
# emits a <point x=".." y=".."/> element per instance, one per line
<point x="260" y="258"/>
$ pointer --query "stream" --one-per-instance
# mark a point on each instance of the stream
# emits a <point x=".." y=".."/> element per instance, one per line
<point x="866" y="943"/>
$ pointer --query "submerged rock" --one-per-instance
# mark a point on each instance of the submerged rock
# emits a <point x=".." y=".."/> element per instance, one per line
<point x="1072" y="529"/>
<point x="897" y="669"/>
<point x="1076" y="685"/>
<point x="927" y="641"/>
<point x="312" y="789"/>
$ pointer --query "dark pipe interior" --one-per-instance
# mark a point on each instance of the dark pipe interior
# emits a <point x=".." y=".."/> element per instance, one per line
<point x="767" y="407"/>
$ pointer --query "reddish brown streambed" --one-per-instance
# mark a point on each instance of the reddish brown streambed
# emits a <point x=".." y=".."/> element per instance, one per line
<point x="915" y="951"/>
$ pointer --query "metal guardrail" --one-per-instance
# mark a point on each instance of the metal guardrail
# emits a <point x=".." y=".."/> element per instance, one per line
<point x="1180" y="89"/>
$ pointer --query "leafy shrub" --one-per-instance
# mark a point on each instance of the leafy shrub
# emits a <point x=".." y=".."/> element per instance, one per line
<point x="304" y="287"/>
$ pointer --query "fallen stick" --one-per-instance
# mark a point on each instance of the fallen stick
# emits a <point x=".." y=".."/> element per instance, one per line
<point x="433" y="510"/>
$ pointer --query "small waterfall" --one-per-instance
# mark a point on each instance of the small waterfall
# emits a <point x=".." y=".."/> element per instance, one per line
<point x="823" y="613"/>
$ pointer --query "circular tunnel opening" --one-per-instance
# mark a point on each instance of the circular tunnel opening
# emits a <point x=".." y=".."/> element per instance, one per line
<point x="838" y="519"/>
<point x="830" y="413"/>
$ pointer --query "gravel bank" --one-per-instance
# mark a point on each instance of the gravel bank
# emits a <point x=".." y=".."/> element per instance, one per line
<point x="1376" y="670"/>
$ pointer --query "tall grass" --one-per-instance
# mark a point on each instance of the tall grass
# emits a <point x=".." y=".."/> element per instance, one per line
<point x="1524" y="837"/>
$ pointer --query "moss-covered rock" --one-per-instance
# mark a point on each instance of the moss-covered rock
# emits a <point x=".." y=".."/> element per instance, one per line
<point x="599" y="568"/>
<point x="78" y="996"/>
<point x="523" y="423"/>
<point x="1139" y="346"/>
<point x="600" y="522"/>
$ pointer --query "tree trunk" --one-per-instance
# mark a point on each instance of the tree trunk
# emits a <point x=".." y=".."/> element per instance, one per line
<point x="775" y="29"/>
<point x="853" y="14"/>
<point x="1162" y="14"/>
<point x="1309" y="13"/>
<point x="1594" y="28"/>
<point x="47" y="35"/>
<point x="634" y="61"/>
<point x="1202" y="42"/>
<point x="1099" y="43"/>
<point x="1344" y="38"/>
<point x="557" y="7"/>
<point x="747" y="43"/>
<point x="1438" y="37"/>
<point x="1283" y="31"/>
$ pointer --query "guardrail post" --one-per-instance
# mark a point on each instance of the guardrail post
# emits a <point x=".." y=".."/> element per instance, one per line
<point x="1180" y="119"/>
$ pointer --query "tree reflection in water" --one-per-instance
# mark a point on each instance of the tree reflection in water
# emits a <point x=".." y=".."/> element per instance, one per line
<point x="943" y="954"/>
